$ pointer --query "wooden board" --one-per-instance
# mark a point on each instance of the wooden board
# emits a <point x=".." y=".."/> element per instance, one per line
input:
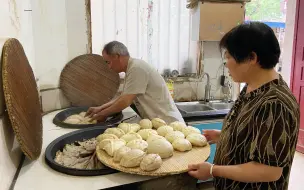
<point x="177" y="164"/>
<point x="87" y="81"/>
<point x="22" y="98"/>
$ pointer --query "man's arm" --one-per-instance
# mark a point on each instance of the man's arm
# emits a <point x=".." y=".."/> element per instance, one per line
<point x="118" y="105"/>
<point x="249" y="172"/>
<point x="109" y="103"/>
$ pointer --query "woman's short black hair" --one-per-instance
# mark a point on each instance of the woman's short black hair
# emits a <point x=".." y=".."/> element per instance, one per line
<point x="251" y="37"/>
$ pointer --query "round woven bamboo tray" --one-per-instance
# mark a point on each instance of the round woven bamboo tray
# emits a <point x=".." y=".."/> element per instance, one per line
<point x="2" y="102"/>
<point x="88" y="81"/>
<point x="176" y="164"/>
<point x="22" y="98"/>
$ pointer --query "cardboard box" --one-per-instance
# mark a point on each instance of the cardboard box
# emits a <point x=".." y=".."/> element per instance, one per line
<point x="211" y="21"/>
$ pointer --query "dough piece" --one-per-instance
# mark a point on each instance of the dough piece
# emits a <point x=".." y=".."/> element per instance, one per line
<point x="132" y="158"/>
<point x="105" y="136"/>
<point x="163" y="130"/>
<point x="157" y="122"/>
<point x="87" y="120"/>
<point x="75" y="116"/>
<point x="151" y="162"/>
<point x="182" y="145"/>
<point x="72" y="121"/>
<point x="138" y="144"/>
<point x="161" y="147"/>
<point x="188" y="130"/>
<point x="83" y="114"/>
<point x="178" y="126"/>
<point x="127" y="127"/>
<point x="145" y="124"/>
<point x="197" y="139"/>
<point x="113" y="146"/>
<point x="130" y="137"/>
<point x="115" y="131"/>
<point x="120" y="153"/>
<point x="103" y="143"/>
<point x="135" y="127"/>
<point x="174" y="135"/>
<point x="153" y="137"/>
<point x="145" y="133"/>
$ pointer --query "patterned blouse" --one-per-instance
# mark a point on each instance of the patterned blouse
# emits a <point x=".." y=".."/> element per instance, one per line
<point x="262" y="126"/>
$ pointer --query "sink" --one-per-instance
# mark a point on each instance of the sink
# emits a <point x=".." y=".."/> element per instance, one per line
<point x="194" y="108"/>
<point x="220" y="105"/>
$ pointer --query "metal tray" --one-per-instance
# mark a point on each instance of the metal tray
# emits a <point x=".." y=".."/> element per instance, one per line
<point x="61" y="116"/>
<point x="79" y="135"/>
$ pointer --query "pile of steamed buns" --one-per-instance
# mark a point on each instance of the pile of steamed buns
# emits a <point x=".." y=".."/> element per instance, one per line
<point x="145" y="144"/>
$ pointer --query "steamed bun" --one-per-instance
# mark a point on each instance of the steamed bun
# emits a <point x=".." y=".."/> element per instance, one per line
<point x="161" y="147"/>
<point x="131" y="136"/>
<point x="113" y="146"/>
<point x="157" y="122"/>
<point x="132" y="158"/>
<point x="181" y="145"/>
<point x="127" y="127"/>
<point x="120" y="153"/>
<point x="145" y="133"/>
<point x="153" y="137"/>
<point x="174" y="135"/>
<point x="188" y="130"/>
<point x="164" y="130"/>
<point x="145" y="124"/>
<point x="151" y="162"/>
<point x="197" y="139"/>
<point x="105" y="136"/>
<point x="115" y="131"/>
<point x="138" y="144"/>
<point x="177" y="125"/>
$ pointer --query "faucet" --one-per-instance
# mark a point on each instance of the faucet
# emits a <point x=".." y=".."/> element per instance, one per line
<point x="207" y="87"/>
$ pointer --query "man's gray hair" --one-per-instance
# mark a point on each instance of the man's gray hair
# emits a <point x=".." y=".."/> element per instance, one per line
<point x="116" y="48"/>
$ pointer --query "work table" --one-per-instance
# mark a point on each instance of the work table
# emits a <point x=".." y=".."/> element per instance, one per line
<point x="38" y="175"/>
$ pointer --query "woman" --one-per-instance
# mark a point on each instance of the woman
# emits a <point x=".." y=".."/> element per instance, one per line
<point x="256" y="146"/>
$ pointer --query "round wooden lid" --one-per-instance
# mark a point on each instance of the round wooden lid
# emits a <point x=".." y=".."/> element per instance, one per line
<point x="22" y="99"/>
<point x="87" y="81"/>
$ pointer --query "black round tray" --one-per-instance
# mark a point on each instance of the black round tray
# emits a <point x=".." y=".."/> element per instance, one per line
<point x="79" y="135"/>
<point x="61" y="116"/>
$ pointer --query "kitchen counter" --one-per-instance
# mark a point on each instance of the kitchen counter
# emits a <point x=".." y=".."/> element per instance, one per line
<point x="37" y="175"/>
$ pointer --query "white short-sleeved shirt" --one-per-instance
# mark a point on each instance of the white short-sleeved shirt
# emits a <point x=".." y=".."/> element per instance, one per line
<point x="153" y="99"/>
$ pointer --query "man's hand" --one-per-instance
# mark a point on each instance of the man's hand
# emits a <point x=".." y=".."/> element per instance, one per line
<point x="212" y="135"/>
<point x="200" y="171"/>
<point x="100" y="117"/>
<point x="93" y="110"/>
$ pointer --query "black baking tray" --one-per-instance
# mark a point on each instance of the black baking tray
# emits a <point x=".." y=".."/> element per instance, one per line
<point x="61" y="116"/>
<point x="79" y="135"/>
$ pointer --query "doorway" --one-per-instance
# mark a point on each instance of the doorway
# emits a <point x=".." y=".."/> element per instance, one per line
<point x="297" y="78"/>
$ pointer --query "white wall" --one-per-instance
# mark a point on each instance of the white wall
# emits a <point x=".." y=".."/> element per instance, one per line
<point x="154" y="30"/>
<point x="158" y="32"/>
<point x="51" y="33"/>
<point x="289" y="40"/>
<point x="60" y="34"/>
<point x="15" y="23"/>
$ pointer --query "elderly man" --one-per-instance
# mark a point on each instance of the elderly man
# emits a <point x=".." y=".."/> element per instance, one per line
<point x="143" y="85"/>
<point x="256" y="146"/>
